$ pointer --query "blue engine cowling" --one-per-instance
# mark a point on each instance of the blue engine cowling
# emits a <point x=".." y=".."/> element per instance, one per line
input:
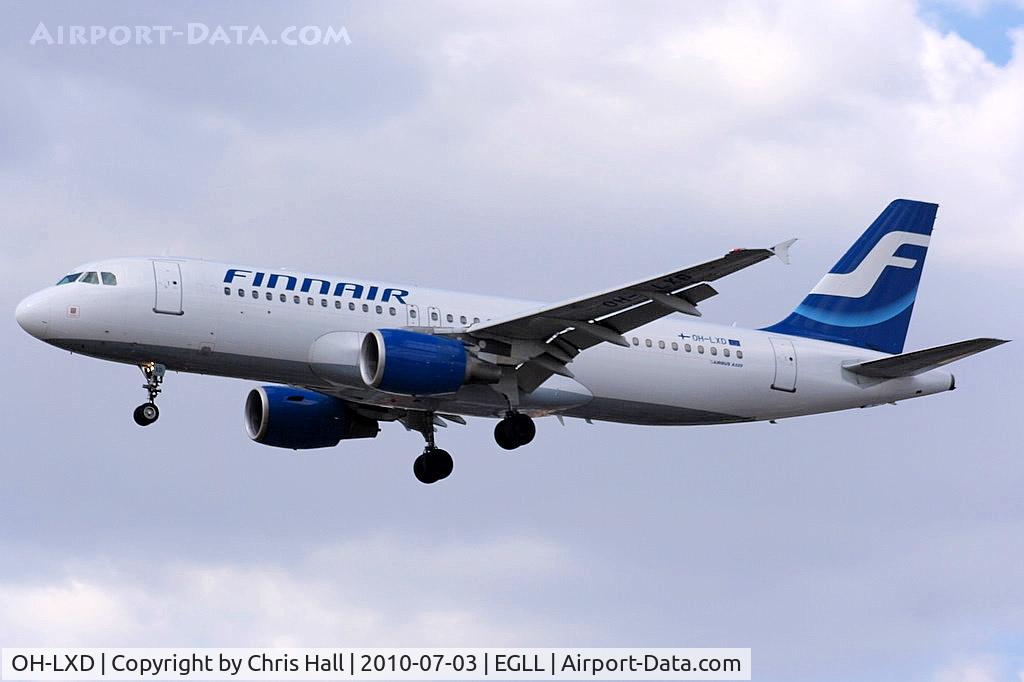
<point x="410" y="363"/>
<point x="286" y="417"/>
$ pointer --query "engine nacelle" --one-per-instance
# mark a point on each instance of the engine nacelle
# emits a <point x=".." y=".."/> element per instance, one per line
<point x="411" y="363"/>
<point x="286" y="417"/>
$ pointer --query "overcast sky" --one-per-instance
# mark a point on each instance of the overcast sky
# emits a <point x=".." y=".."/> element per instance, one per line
<point x="538" y="151"/>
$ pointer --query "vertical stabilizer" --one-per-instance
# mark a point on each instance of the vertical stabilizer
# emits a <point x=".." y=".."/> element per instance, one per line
<point x="867" y="298"/>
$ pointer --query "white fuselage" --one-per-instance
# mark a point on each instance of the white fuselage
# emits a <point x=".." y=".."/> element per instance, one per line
<point x="183" y="314"/>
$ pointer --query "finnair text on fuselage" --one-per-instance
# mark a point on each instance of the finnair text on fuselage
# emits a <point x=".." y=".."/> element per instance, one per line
<point x="322" y="287"/>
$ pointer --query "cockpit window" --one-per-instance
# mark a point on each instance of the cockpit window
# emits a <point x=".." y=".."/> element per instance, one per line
<point x="109" y="278"/>
<point x="68" y="279"/>
<point x="90" y="278"/>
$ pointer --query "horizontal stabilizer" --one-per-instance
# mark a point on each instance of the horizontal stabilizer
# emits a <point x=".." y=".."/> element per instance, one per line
<point x="909" y="364"/>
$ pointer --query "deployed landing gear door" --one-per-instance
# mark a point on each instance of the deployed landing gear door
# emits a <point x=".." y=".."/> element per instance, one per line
<point x="785" y="365"/>
<point x="168" y="287"/>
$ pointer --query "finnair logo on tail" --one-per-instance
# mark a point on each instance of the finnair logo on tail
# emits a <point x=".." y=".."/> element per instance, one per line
<point x="858" y="283"/>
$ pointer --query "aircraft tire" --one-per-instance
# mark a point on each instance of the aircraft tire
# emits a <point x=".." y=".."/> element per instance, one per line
<point x="421" y="471"/>
<point x="523" y="428"/>
<point x="503" y="435"/>
<point x="440" y="464"/>
<point x="432" y="466"/>
<point x="146" y="413"/>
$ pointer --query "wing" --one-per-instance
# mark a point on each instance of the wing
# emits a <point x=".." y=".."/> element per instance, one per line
<point x="543" y="341"/>
<point x="909" y="364"/>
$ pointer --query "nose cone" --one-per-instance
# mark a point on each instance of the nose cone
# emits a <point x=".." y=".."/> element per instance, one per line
<point x="33" y="315"/>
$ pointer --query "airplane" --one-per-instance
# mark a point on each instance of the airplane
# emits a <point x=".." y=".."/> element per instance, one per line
<point x="341" y="355"/>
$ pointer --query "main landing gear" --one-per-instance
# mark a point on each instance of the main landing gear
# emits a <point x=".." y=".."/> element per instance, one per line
<point x="147" y="413"/>
<point x="514" y="431"/>
<point x="434" y="464"/>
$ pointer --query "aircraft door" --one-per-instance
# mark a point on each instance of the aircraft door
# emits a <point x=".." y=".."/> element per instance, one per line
<point x="167" y="275"/>
<point x="785" y="365"/>
<point x="433" y="317"/>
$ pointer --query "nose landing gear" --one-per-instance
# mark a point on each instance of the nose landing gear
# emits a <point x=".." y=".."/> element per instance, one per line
<point x="514" y="431"/>
<point x="147" y="413"/>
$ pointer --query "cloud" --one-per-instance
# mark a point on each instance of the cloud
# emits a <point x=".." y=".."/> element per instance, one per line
<point x="538" y="150"/>
<point x="659" y="120"/>
<point x="379" y="591"/>
<point x="976" y="669"/>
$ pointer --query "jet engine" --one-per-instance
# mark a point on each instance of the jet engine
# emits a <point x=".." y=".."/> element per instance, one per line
<point x="286" y="417"/>
<point x="411" y="363"/>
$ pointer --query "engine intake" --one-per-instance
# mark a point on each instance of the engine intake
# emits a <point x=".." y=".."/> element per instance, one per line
<point x="411" y="363"/>
<point x="286" y="417"/>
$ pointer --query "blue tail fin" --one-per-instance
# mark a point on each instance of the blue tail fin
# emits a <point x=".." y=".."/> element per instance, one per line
<point x="867" y="298"/>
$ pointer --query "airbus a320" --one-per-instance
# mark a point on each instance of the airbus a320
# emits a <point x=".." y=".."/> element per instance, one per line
<point x="342" y="355"/>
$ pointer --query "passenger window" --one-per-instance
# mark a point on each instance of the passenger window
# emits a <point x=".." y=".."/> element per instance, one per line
<point x="714" y="351"/>
<point x="661" y="345"/>
<point x="351" y="306"/>
<point x="270" y="296"/>
<point x="476" y="320"/>
<point x="309" y="300"/>
<point x="700" y="349"/>
<point x="255" y="294"/>
<point x="392" y="311"/>
<point x="450" y="318"/>
<point x="380" y="310"/>
<point x="647" y="342"/>
<point x="739" y="354"/>
<point x="412" y="313"/>
<point x="462" y="319"/>
<point x="636" y="341"/>
<point x="337" y="304"/>
<point x="296" y="299"/>
<point x="241" y="292"/>
<point x="284" y="299"/>
<point x="91" y="278"/>
<point x="433" y="316"/>
<point x="227" y="291"/>
<point x="323" y="302"/>
<point x="108" y="278"/>
<point x="725" y="352"/>
<point x="675" y="346"/>
<point x="69" y="278"/>
<point x="687" y="347"/>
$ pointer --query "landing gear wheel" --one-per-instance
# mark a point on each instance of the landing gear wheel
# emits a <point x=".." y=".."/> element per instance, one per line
<point x="514" y="431"/>
<point x="503" y="436"/>
<point x="523" y="427"/>
<point x="440" y="463"/>
<point x="420" y="471"/>
<point x="433" y="465"/>
<point x="146" y="413"/>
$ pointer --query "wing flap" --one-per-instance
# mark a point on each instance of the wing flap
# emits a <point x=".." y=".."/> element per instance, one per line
<point x="670" y="289"/>
<point x="543" y="341"/>
<point x="909" y="364"/>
